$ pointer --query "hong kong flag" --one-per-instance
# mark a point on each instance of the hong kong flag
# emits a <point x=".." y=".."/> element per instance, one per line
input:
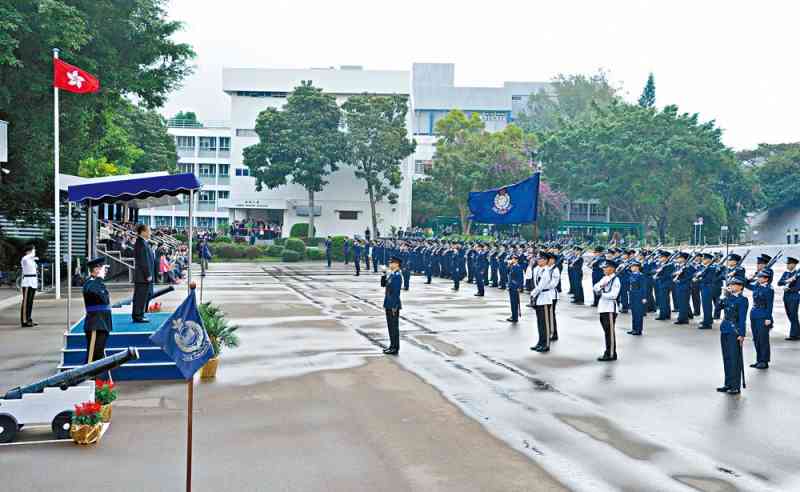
<point x="73" y="79"/>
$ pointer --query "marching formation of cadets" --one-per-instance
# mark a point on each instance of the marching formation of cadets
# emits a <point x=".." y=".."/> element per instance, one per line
<point x="694" y="285"/>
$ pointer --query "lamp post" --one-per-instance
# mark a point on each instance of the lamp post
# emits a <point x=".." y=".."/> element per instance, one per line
<point x="724" y="229"/>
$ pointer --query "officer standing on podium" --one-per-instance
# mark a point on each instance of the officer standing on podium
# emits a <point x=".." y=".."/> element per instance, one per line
<point x="97" y="323"/>
<point x="393" y="283"/>
<point x="143" y="274"/>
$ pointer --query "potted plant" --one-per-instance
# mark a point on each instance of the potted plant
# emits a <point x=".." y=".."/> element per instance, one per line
<point x="105" y="393"/>
<point x="86" y="425"/>
<point x="221" y="333"/>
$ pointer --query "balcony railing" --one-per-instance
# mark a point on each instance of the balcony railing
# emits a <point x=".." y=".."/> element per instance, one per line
<point x="183" y="123"/>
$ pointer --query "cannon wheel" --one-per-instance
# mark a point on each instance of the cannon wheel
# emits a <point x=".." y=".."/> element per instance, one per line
<point x="8" y="429"/>
<point x="61" y="424"/>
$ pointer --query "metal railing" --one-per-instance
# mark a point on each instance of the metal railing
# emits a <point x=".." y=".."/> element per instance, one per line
<point x="184" y="123"/>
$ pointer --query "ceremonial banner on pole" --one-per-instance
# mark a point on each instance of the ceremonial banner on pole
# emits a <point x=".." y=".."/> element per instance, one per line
<point x="514" y="204"/>
<point x="183" y="337"/>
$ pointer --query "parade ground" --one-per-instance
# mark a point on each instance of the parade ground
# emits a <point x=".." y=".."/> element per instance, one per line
<point x="309" y="403"/>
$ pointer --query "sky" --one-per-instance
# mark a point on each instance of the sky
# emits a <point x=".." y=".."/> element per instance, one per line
<point x="735" y="62"/>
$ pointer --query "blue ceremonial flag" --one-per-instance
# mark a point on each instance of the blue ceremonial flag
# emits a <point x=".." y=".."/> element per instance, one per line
<point x="184" y="339"/>
<point x="514" y="204"/>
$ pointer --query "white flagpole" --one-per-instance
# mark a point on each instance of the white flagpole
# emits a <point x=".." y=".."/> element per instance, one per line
<point x="57" y="190"/>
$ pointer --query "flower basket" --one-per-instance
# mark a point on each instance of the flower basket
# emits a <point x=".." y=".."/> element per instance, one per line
<point x="85" y="434"/>
<point x="86" y="426"/>
<point x="209" y="371"/>
<point x="105" y="413"/>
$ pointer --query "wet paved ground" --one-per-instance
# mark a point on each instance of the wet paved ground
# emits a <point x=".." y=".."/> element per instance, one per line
<point x="307" y="404"/>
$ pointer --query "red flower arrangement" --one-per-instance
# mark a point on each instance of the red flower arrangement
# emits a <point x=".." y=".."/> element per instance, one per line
<point x="104" y="392"/>
<point x="155" y="307"/>
<point x="87" y="413"/>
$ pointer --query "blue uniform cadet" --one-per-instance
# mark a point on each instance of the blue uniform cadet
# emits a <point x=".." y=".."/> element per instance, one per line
<point x="575" y="273"/>
<point x="732" y="332"/>
<point x="682" y="278"/>
<point x="357" y="257"/>
<point x="637" y="286"/>
<point x="515" y="283"/>
<point x="481" y="263"/>
<point x="328" y="246"/>
<point x="663" y="285"/>
<point x="705" y="278"/>
<point x="761" y="321"/>
<point x="97" y="324"/>
<point x="392" y="282"/>
<point x="405" y="257"/>
<point x="791" y="296"/>
<point x="597" y="272"/>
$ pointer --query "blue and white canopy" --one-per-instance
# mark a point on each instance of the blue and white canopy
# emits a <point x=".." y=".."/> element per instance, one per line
<point x="136" y="193"/>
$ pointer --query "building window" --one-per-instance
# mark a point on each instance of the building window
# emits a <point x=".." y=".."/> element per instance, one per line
<point x="206" y="196"/>
<point x="223" y="194"/>
<point x="243" y="171"/>
<point x="224" y="143"/>
<point x="181" y="222"/>
<point x="207" y="170"/>
<point x="208" y="143"/>
<point x="423" y="167"/>
<point x="204" y="222"/>
<point x="261" y="94"/>
<point x="246" y="132"/>
<point x="224" y="169"/>
<point x="144" y="219"/>
<point x="183" y="142"/>
<point x="186" y="167"/>
<point x="348" y="215"/>
<point x="163" y="221"/>
<point x="422" y="123"/>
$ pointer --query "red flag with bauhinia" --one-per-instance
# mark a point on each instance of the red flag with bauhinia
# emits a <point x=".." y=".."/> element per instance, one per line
<point x="73" y="79"/>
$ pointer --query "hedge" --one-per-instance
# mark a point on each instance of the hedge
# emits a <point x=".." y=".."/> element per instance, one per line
<point x="315" y="253"/>
<point x="290" y="256"/>
<point x="229" y="251"/>
<point x="275" y="251"/>
<point x="300" y="230"/>
<point x="337" y="248"/>
<point x="314" y="241"/>
<point x="254" y="252"/>
<point x="223" y="240"/>
<point x="296" y="245"/>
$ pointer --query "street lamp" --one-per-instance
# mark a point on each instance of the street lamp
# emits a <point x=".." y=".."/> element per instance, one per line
<point x="724" y="229"/>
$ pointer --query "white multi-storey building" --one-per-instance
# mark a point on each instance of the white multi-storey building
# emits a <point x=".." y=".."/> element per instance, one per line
<point x="213" y="151"/>
<point x="204" y="148"/>
<point x="342" y="207"/>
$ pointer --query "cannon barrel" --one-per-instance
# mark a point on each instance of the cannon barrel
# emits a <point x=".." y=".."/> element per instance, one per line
<point x="75" y="376"/>
<point x="158" y="293"/>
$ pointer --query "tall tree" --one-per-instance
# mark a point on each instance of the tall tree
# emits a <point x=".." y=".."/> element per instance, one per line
<point x="468" y="158"/>
<point x="92" y="167"/>
<point x="778" y="172"/>
<point x="377" y="142"/>
<point x="570" y="97"/>
<point x="301" y="143"/>
<point x="648" y="97"/>
<point x="660" y="167"/>
<point x="127" y="43"/>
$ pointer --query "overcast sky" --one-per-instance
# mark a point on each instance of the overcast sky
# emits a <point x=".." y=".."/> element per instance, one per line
<point x="733" y="61"/>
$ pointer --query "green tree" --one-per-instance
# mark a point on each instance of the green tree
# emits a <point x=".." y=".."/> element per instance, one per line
<point x="468" y="158"/>
<point x="126" y="43"/>
<point x="98" y="167"/>
<point x="187" y="118"/>
<point x="569" y="97"/>
<point x="648" y="97"/>
<point x="427" y="203"/>
<point x="377" y="142"/>
<point x="660" y="167"/>
<point x="778" y="172"/>
<point x="302" y="143"/>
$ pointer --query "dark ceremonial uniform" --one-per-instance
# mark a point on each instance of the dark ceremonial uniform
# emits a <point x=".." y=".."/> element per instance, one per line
<point x="624" y="282"/>
<point x="791" y="300"/>
<point x="357" y="258"/>
<point x="502" y="267"/>
<point x="471" y="265"/>
<point x="405" y="257"/>
<point x="377" y="256"/>
<point x="575" y="269"/>
<point x="682" y="280"/>
<point x="733" y="326"/>
<point x="392" y="282"/>
<point x="515" y="283"/>
<point x="494" y="266"/>
<point x="346" y="251"/>
<point x="427" y="263"/>
<point x="695" y="292"/>
<point x="597" y="274"/>
<point x="143" y="278"/>
<point x="730" y="274"/>
<point x="663" y="279"/>
<point x="648" y="270"/>
<point x="97" y="323"/>
<point x="328" y="251"/>
<point x="763" y="299"/>
<point x="481" y="263"/>
<point x="638" y="298"/>
<point x="705" y="279"/>
<point x="718" y="280"/>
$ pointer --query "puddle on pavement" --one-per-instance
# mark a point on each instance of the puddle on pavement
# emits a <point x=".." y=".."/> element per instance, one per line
<point x="440" y="345"/>
<point x="603" y="430"/>
<point x="706" y="484"/>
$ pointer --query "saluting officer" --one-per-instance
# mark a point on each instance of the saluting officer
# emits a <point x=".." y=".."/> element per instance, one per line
<point x="97" y="323"/>
<point x="761" y="316"/>
<point x="732" y="332"/>
<point x="791" y="296"/>
<point x="393" y="283"/>
<point x="29" y="285"/>
<point x="608" y="289"/>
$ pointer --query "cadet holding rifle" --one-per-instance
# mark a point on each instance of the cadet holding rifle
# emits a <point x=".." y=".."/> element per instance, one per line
<point x="732" y="332"/>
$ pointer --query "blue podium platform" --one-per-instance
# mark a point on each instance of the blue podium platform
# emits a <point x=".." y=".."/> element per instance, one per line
<point x="153" y="363"/>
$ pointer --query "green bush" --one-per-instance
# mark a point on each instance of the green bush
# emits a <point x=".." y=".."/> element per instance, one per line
<point x="275" y="251"/>
<point x="315" y="253"/>
<point x="300" y="230"/>
<point x="181" y="237"/>
<point x="337" y="248"/>
<point x="290" y="256"/>
<point x="229" y="251"/>
<point x="253" y="252"/>
<point x="280" y="241"/>
<point x="314" y="241"/>
<point x="223" y="240"/>
<point x="296" y="245"/>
